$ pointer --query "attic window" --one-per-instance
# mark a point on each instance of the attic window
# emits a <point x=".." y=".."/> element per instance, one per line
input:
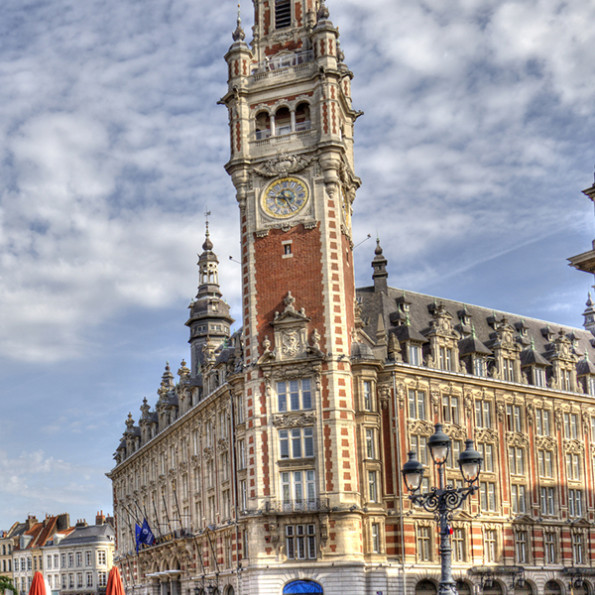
<point x="282" y="14"/>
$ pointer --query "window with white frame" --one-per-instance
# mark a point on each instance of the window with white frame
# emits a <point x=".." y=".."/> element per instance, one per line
<point x="545" y="463"/>
<point x="547" y="500"/>
<point x="300" y="542"/>
<point x="296" y="443"/>
<point x="88" y="559"/>
<point x="575" y="503"/>
<point x="570" y="425"/>
<point x="490" y="545"/>
<point x="519" y="498"/>
<point x="446" y="358"/>
<point x="373" y="486"/>
<point x="514" y="420"/>
<point x="549" y="546"/>
<point x="479" y="366"/>
<point x="241" y="454"/>
<point x="370" y="443"/>
<point x="453" y="454"/>
<point x="487" y="496"/>
<point x="458" y="545"/>
<point x="414" y="354"/>
<point x="419" y="445"/>
<point x="367" y="396"/>
<point x="543" y="422"/>
<point x="375" y="535"/>
<point x="573" y="467"/>
<point x="450" y="409"/>
<point x="508" y="369"/>
<point x="417" y="404"/>
<point x="102" y="578"/>
<point x="424" y="543"/>
<point x="539" y="377"/>
<point x="294" y="395"/>
<point x="565" y="378"/>
<point x="578" y="548"/>
<point x="483" y="414"/>
<point x="298" y="487"/>
<point x="243" y="495"/>
<point x="487" y="450"/>
<point x="101" y="557"/>
<point x="516" y="460"/>
<point x="521" y="547"/>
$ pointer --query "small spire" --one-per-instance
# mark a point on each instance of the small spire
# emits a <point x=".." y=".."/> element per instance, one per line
<point x="208" y="245"/>
<point x="238" y="34"/>
<point x="323" y="12"/>
<point x="380" y="273"/>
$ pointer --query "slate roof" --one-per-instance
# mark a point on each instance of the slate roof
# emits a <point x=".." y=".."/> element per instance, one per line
<point x="89" y="535"/>
<point x="528" y="331"/>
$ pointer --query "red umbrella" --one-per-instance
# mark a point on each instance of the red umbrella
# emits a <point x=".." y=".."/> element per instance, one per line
<point x="37" y="585"/>
<point x="114" y="583"/>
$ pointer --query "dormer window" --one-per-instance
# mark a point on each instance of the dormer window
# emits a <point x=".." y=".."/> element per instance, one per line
<point x="539" y="378"/>
<point x="446" y="359"/>
<point x="591" y="385"/>
<point x="479" y="366"/>
<point x="414" y="356"/>
<point x="282" y="14"/>
<point x="508" y="369"/>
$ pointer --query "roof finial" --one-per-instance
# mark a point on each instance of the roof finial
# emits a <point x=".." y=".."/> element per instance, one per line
<point x="208" y="245"/>
<point x="238" y="34"/>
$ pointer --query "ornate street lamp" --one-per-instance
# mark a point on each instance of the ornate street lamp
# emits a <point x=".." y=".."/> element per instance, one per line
<point x="443" y="500"/>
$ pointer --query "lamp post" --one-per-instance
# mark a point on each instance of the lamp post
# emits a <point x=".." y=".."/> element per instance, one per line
<point x="443" y="500"/>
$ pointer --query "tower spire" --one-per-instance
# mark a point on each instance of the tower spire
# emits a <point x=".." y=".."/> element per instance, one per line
<point x="238" y="34"/>
<point x="380" y="274"/>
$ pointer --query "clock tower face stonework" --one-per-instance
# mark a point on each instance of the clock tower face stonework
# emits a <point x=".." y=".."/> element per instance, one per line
<point x="291" y="132"/>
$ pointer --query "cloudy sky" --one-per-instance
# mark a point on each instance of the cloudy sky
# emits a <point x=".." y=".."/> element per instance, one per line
<point x="476" y="141"/>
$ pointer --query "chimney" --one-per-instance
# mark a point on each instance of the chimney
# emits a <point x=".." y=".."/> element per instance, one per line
<point x="63" y="522"/>
<point x="100" y="518"/>
<point x="31" y="520"/>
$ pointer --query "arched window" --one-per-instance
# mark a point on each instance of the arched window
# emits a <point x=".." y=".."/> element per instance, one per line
<point x="552" y="588"/>
<point x="282" y="14"/>
<point x="302" y="586"/>
<point x="302" y="117"/>
<point x="425" y="587"/>
<point x="463" y="588"/>
<point x="263" y="125"/>
<point x="283" y="121"/>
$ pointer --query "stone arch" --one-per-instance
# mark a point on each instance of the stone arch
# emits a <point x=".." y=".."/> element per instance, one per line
<point x="426" y="587"/>
<point x="302" y="586"/>
<point x="553" y="587"/>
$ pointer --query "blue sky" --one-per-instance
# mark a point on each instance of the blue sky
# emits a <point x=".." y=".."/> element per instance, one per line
<point x="476" y="141"/>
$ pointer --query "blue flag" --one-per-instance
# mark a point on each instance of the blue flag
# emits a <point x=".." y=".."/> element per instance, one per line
<point x="138" y="535"/>
<point x="146" y="535"/>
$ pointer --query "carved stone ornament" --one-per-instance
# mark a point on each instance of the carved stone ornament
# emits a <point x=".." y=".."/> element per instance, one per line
<point x="455" y="432"/>
<point x="291" y="331"/>
<point x="208" y="453"/>
<point x="515" y="439"/>
<point x="573" y="446"/>
<point x="287" y="420"/>
<point x="486" y="435"/>
<point x="420" y="426"/>
<point x="545" y="442"/>
<point x="281" y="165"/>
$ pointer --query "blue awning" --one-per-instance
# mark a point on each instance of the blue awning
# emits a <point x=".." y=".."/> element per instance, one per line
<point x="302" y="586"/>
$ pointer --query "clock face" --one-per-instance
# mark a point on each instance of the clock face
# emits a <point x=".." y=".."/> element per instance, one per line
<point x="284" y="197"/>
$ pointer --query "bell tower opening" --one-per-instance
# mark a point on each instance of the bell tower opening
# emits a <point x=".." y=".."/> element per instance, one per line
<point x="282" y="14"/>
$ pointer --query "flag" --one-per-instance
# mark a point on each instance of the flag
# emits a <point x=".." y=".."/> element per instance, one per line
<point x="138" y="535"/>
<point x="146" y="535"/>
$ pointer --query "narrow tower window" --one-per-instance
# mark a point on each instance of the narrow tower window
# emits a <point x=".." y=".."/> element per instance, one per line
<point x="302" y="117"/>
<point x="282" y="13"/>
<point x="263" y="125"/>
<point x="283" y="121"/>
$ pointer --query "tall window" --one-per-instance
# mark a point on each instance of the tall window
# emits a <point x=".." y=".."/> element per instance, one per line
<point x="243" y="495"/>
<point x="424" y="545"/>
<point x="458" y="545"/>
<point x="513" y="418"/>
<point x="548" y="501"/>
<point x="539" y="376"/>
<point x="578" y="548"/>
<point x="479" y="366"/>
<point x="549" y="544"/>
<point x="483" y="414"/>
<point x="417" y="404"/>
<point x="508" y="369"/>
<point x="373" y="486"/>
<point x="518" y="497"/>
<point x="453" y="454"/>
<point x="490" y="545"/>
<point x="450" y="409"/>
<point x="575" y="503"/>
<point x="419" y="444"/>
<point x="565" y="380"/>
<point x="302" y="117"/>
<point x="296" y="443"/>
<point x="370" y="443"/>
<point x="573" y="467"/>
<point x="545" y="463"/>
<point x="543" y="424"/>
<point x="487" y="496"/>
<point x="516" y="460"/>
<point x="446" y="358"/>
<point x="414" y="356"/>
<point x="300" y="542"/>
<point x="521" y="547"/>
<point x="294" y="395"/>
<point x="487" y="450"/>
<point x="282" y="14"/>
<point x="367" y="395"/>
<point x="570" y="425"/>
<point x="298" y="486"/>
<point x="241" y="454"/>
<point x="375" y="534"/>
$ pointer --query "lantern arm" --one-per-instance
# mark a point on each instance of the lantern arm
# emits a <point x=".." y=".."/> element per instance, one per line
<point x="443" y="501"/>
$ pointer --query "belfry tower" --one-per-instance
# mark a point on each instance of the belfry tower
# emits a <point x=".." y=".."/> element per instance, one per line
<point x="291" y="131"/>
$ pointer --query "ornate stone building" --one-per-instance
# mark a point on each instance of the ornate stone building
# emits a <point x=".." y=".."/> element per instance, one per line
<point x="272" y="464"/>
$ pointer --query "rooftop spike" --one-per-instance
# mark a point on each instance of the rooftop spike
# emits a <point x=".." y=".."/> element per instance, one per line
<point x="238" y="34"/>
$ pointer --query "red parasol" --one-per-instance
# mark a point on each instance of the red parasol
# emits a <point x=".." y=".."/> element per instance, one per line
<point x="37" y="585"/>
<point x="114" y="583"/>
